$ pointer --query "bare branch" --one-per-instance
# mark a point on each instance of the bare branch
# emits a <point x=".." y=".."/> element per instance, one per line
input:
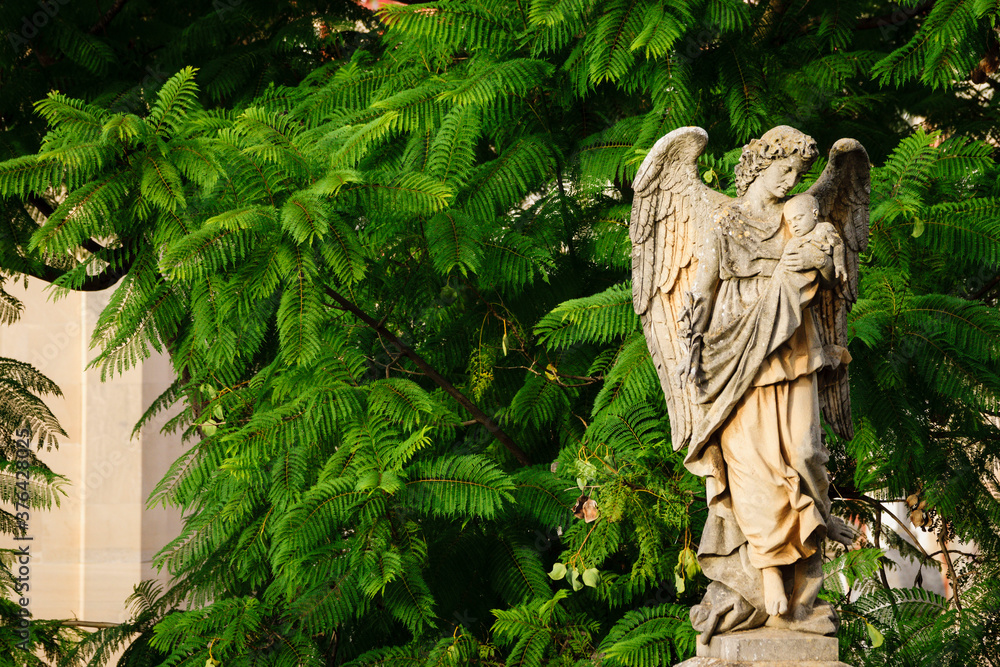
<point x="107" y="18"/>
<point x="478" y="415"/>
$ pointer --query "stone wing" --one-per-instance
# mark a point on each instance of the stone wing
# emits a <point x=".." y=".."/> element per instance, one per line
<point x="671" y="208"/>
<point x="843" y="192"/>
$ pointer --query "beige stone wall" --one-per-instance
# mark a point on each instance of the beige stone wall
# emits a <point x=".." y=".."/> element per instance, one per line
<point x="90" y="551"/>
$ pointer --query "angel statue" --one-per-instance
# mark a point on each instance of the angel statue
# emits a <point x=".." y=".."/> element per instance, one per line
<point x="743" y="303"/>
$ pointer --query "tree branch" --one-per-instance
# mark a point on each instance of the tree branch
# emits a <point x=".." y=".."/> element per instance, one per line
<point x="942" y="539"/>
<point x="43" y="271"/>
<point x="90" y="245"/>
<point x="107" y="18"/>
<point x="72" y="623"/>
<point x="477" y="414"/>
<point x="101" y="281"/>
<point x="986" y="289"/>
<point x="882" y="508"/>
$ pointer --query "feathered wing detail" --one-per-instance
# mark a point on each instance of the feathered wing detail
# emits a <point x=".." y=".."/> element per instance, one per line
<point x="843" y="192"/>
<point x="671" y="207"/>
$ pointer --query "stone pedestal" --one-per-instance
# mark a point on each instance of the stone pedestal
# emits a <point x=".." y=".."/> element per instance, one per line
<point x="768" y="647"/>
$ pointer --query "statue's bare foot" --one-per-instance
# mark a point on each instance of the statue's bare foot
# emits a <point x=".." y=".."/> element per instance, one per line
<point x="818" y="620"/>
<point x="775" y="600"/>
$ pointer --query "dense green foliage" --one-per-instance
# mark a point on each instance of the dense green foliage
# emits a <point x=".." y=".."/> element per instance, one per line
<point x="393" y="283"/>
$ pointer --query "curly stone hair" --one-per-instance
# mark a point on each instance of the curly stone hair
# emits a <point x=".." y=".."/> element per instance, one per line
<point x="777" y="143"/>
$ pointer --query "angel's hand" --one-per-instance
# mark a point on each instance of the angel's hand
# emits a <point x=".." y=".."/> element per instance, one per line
<point x="689" y="369"/>
<point x="805" y="257"/>
<point x="840" y="271"/>
<point x="838" y="530"/>
<point x="793" y="260"/>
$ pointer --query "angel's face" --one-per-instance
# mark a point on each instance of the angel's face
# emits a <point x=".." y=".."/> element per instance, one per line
<point x="781" y="176"/>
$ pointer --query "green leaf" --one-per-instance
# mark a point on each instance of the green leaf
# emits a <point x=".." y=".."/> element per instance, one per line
<point x="873" y="633"/>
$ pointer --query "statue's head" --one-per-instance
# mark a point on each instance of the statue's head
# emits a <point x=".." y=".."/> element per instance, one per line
<point x="778" y="143"/>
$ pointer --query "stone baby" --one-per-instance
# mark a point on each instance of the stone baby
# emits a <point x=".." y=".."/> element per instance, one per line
<point x="801" y="215"/>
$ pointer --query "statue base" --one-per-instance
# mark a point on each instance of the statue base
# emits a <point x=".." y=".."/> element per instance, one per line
<point x="719" y="662"/>
<point x="767" y="647"/>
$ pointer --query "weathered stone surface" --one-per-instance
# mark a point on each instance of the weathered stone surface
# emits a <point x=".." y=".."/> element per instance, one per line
<point x="769" y="644"/>
<point x="719" y="662"/>
<point x="743" y="303"/>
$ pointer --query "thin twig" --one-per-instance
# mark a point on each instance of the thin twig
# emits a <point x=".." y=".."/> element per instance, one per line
<point x="951" y="567"/>
<point x="902" y="525"/>
<point x="88" y="624"/>
<point x="954" y="551"/>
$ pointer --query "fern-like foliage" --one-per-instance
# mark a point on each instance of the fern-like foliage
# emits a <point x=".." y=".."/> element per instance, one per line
<point x="387" y="255"/>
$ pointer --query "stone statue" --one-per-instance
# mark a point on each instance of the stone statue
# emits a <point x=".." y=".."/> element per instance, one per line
<point x="743" y="303"/>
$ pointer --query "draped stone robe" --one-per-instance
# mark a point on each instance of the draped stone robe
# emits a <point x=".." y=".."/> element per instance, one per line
<point x="759" y="442"/>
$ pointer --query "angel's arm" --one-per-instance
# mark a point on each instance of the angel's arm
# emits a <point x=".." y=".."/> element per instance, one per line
<point x="706" y="279"/>
<point x="826" y="268"/>
<point x="836" y="250"/>
<point x="807" y="256"/>
<point x="700" y="304"/>
<point x="839" y="260"/>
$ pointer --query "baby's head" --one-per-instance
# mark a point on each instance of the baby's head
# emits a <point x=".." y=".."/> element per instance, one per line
<point x="801" y="213"/>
